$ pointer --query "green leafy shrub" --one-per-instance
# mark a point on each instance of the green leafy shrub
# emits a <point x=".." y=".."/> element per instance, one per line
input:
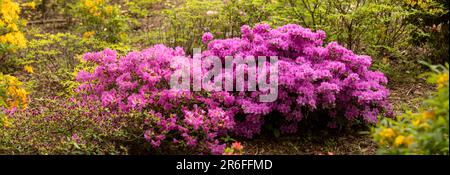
<point x="100" y="19"/>
<point x="62" y="126"/>
<point x="431" y="19"/>
<point x="73" y="126"/>
<point x="184" y="25"/>
<point x="12" y="37"/>
<point x="141" y="8"/>
<point x="349" y="22"/>
<point x="54" y="58"/>
<point x="237" y="13"/>
<point x="424" y="132"/>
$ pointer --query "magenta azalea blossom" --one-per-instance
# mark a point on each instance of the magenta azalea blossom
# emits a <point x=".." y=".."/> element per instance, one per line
<point x="207" y="37"/>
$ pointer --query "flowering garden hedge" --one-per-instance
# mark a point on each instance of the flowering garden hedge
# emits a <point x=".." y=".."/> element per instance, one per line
<point x="313" y="78"/>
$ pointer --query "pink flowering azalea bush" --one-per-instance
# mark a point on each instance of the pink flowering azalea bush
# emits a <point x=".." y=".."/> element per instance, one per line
<point x="313" y="78"/>
<point x="139" y="82"/>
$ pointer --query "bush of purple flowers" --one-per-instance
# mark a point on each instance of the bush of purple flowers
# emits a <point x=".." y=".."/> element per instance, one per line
<point x="312" y="78"/>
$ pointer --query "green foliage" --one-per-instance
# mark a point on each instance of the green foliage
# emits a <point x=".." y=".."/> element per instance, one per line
<point x="425" y="132"/>
<point x="393" y="32"/>
<point x="431" y="17"/>
<point x="374" y="27"/>
<point x="54" y="58"/>
<point x="237" y="13"/>
<point x="308" y="13"/>
<point x="183" y="25"/>
<point x="101" y="19"/>
<point x="141" y="8"/>
<point x="379" y="28"/>
<point x="56" y="126"/>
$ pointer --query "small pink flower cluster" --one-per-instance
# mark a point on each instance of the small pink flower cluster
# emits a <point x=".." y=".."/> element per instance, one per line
<point x="312" y="78"/>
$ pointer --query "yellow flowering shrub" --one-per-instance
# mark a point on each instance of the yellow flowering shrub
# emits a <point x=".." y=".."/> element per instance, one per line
<point x="10" y="35"/>
<point x="423" y="132"/>
<point x="100" y="19"/>
<point x="12" y="95"/>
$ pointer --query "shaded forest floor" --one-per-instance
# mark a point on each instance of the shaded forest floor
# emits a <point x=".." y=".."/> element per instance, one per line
<point x="405" y="94"/>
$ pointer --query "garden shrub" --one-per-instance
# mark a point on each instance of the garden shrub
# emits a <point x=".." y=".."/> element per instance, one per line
<point x="65" y="126"/>
<point x="12" y="96"/>
<point x="431" y="17"/>
<point x="184" y="24"/>
<point x="348" y="21"/>
<point x="422" y="132"/>
<point x="100" y="19"/>
<point x="139" y="82"/>
<point x="236" y="13"/>
<point x="141" y="8"/>
<point x="391" y="23"/>
<point x="12" y="93"/>
<point x="54" y="58"/>
<point x="11" y="36"/>
<point x="313" y="78"/>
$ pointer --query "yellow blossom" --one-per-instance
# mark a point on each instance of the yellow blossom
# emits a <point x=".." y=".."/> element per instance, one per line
<point x="14" y="38"/>
<point x="387" y="133"/>
<point x="88" y="3"/>
<point x="10" y="19"/>
<point x="399" y="140"/>
<point x="28" y="69"/>
<point x="15" y="95"/>
<point x="416" y="123"/>
<point x="428" y="115"/>
<point x="9" y="11"/>
<point x="109" y="9"/>
<point x="13" y="27"/>
<point x="88" y="34"/>
<point x="442" y="80"/>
